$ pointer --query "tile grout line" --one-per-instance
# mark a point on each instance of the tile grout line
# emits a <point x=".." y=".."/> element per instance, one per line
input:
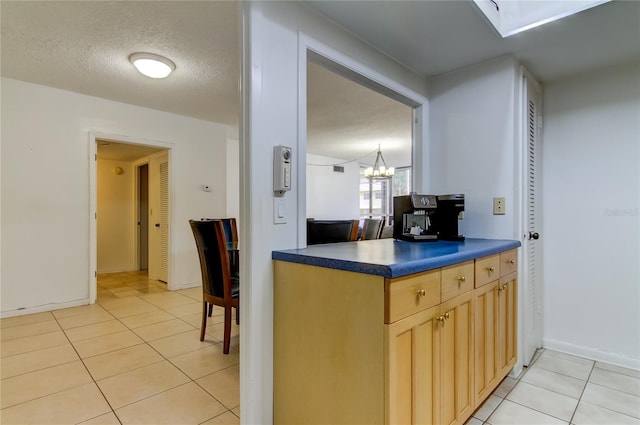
<point x="174" y="365"/>
<point x="89" y="372"/>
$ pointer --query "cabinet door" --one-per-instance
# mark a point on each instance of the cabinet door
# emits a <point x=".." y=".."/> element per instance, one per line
<point x="454" y="397"/>
<point x="410" y="363"/>
<point x="507" y="315"/>
<point x="486" y="373"/>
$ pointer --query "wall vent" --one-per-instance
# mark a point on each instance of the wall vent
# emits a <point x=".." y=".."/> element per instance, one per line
<point x="338" y="169"/>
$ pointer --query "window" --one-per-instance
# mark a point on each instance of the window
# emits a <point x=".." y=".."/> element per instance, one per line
<point x="376" y="196"/>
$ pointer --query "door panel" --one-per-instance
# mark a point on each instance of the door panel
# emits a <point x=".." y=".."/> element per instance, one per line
<point x="531" y="246"/>
<point x="158" y="216"/>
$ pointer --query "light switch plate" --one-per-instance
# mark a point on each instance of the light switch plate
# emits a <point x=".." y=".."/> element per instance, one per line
<point x="279" y="207"/>
<point x="499" y="207"/>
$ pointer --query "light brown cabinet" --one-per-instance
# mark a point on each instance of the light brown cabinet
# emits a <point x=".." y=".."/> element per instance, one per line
<point x="412" y="346"/>
<point x="454" y="396"/>
<point x="495" y="320"/>
<point x="426" y="348"/>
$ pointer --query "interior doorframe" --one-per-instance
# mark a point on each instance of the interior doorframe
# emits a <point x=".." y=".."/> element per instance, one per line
<point x="94" y="136"/>
<point x="344" y="65"/>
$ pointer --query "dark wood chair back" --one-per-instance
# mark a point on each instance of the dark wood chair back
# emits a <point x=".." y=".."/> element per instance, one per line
<point x="331" y="231"/>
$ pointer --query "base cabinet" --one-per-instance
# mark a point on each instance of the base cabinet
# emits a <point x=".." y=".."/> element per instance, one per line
<point x="412" y="347"/>
<point x="429" y="363"/>
<point x="507" y="337"/>
<point x="495" y="335"/>
<point x="426" y="348"/>
<point x="454" y="396"/>
<point x="486" y="367"/>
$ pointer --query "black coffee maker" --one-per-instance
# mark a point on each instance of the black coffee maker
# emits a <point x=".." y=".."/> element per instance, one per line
<point x="445" y="219"/>
<point x="412" y="218"/>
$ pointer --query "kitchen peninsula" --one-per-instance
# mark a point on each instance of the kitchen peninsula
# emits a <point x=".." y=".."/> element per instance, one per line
<point x="389" y="332"/>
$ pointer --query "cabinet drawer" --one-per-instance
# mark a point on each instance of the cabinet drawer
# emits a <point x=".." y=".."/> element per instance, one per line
<point x="487" y="269"/>
<point x="405" y="296"/>
<point x="508" y="262"/>
<point x="456" y="280"/>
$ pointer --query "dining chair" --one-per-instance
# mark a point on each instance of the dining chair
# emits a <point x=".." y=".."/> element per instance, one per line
<point x="331" y="231"/>
<point x="230" y="232"/>
<point x="220" y="286"/>
<point x="372" y="228"/>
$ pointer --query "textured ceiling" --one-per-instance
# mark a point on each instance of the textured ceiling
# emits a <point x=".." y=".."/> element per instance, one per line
<point x="83" y="46"/>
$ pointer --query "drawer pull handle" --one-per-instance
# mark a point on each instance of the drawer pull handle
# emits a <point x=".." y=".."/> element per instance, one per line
<point x="491" y="269"/>
<point x="462" y="279"/>
<point x="512" y="261"/>
<point x="422" y="293"/>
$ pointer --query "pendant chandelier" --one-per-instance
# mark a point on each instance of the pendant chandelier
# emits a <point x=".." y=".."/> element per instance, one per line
<point x="379" y="169"/>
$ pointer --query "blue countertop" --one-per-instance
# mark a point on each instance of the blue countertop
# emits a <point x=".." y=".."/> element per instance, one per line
<point x="391" y="258"/>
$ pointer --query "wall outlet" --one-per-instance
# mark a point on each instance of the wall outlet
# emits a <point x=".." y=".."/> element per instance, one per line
<point x="498" y="206"/>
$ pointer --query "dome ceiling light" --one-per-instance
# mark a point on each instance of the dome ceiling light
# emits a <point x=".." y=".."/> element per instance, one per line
<point x="153" y="66"/>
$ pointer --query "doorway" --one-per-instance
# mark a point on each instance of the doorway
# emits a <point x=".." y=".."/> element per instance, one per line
<point x="124" y="184"/>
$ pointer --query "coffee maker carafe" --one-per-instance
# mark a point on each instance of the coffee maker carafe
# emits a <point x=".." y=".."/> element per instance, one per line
<point x="412" y="218"/>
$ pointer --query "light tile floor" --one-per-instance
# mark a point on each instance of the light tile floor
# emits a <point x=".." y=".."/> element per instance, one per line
<point x="134" y="357"/>
<point x="559" y="388"/>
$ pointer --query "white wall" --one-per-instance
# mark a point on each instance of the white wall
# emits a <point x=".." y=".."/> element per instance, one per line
<point x="273" y="76"/>
<point x="331" y="195"/>
<point x="472" y="139"/>
<point x="591" y="231"/>
<point x="115" y="216"/>
<point x="45" y="189"/>
<point x="233" y="177"/>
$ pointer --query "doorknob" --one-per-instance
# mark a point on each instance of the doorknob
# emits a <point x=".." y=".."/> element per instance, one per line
<point x="534" y="235"/>
<point x="158" y="225"/>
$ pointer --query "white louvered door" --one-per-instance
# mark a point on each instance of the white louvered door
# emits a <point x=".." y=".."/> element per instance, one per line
<point x="531" y="246"/>
<point x="159" y="216"/>
<point x="164" y="220"/>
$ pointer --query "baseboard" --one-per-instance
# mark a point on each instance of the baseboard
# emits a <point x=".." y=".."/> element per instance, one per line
<point x="43" y="308"/>
<point x="592" y="353"/>
<point x="185" y="286"/>
<point x="117" y="270"/>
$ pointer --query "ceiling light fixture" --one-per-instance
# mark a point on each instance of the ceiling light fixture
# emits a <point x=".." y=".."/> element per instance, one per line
<point x="153" y="66"/>
<point x="379" y="169"/>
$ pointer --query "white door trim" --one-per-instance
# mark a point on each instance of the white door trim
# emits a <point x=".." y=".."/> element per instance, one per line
<point x="95" y="135"/>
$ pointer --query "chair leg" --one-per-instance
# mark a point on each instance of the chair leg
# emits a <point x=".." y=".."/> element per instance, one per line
<point x="203" y="327"/>
<point x="227" y="330"/>
<point x="237" y="315"/>
<point x="210" y="309"/>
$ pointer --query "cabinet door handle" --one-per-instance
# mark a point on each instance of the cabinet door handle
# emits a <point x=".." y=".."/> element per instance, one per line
<point x="440" y="319"/>
<point x="422" y="293"/>
<point x="446" y="316"/>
